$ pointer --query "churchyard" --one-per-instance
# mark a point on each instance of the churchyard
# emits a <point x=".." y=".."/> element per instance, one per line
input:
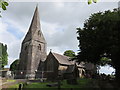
<point x="98" y="82"/>
<point x="35" y="69"/>
<point x="83" y="83"/>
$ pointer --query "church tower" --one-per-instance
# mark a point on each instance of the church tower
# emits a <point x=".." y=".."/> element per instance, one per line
<point x="33" y="49"/>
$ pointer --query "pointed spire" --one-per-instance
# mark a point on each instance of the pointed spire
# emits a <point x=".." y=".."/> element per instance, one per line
<point x="35" y="28"/>
<point x="35" y="24"/>
<point x="36" y="20"/>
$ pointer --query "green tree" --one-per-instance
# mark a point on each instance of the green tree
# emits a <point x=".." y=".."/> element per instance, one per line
<point x="100" y="38"/>
<point x="105" y="61"/>
<point x="3" y="55"/>
<point x="14" y="65"/>
<point x="3" y="5"/>
<point x="0" y="56"/>
<point x="90" y="1"/>
<point x="69" y="53"/>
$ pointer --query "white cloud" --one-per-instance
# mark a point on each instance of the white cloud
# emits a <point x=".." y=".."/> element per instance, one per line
<point x="58" y="21"/>
<point x="12" y="42"/>
<point x="5" y="36"/>
<point x="14" y="49"/>
<point x="49" y="29"/>
<point x="61" y="1"/>
<point x="59" y="4"/>
<point x="12" y="23"/>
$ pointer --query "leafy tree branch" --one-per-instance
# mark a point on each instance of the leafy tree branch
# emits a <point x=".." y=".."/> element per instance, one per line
<point x="3" y="5"/>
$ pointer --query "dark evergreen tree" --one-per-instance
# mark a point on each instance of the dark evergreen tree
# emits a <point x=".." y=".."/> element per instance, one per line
<point x="14" y="65"/>
<point x="3" y="55"/>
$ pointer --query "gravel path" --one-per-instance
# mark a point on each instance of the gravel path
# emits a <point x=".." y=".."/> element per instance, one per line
<point x="8" y="84"/>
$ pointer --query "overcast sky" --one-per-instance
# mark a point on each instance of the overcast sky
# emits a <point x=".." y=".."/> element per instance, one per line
<point x="59" y="21"/>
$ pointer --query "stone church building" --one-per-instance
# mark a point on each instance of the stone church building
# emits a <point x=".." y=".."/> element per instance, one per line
<point x="33" y="50"/>
<point x="34" y="62"/>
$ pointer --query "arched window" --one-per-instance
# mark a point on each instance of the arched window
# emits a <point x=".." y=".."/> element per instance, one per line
<point x="39" y="47"/>
<point x="39" y="33"/>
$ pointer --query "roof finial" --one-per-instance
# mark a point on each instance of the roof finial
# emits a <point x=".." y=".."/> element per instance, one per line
<point x="50" y="50"/>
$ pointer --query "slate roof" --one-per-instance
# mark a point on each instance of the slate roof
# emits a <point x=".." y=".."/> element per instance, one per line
<point x="63" y="59"/>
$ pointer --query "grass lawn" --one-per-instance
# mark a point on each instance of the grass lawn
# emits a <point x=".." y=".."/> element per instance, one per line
<point x="82" y="83"/>
<point x="13" y="87"/>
